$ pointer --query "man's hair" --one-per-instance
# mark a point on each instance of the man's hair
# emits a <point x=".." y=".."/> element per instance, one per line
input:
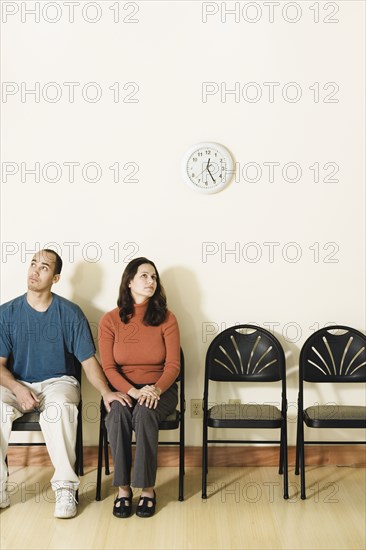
<point x="58" y="264"/>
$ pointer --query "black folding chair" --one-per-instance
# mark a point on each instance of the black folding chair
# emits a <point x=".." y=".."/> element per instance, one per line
<point x="245" y="354"/>
<point x="330" y="356"/>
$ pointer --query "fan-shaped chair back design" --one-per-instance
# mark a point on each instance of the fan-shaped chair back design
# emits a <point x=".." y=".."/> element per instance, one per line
<point x="328" y="357"/>
<point x="245" y="353"/>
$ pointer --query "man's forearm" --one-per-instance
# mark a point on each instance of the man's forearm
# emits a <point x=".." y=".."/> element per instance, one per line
<point x="6" y="378"/>
<point x="95" y="375"/>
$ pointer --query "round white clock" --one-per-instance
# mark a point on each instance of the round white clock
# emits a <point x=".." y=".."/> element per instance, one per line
<point x="207" y="167"/>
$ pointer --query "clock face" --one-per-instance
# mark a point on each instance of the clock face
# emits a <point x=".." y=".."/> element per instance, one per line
<point x="207" y="167"/>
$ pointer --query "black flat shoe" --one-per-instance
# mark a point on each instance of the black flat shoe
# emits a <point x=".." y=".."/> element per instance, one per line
<point x="144" y="510"/>
<point x="123" y="510"/>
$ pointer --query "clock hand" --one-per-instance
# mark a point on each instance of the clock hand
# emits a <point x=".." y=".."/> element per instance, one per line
<point x="208" y="170"/>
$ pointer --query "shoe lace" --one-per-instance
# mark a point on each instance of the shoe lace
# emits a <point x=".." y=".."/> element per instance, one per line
<point x="65" y="496"/>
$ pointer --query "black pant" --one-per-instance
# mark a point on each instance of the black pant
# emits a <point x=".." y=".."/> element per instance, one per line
<point x="120" y="422"/>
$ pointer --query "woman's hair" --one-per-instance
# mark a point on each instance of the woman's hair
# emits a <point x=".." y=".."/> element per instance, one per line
<point x="157" y="308"/>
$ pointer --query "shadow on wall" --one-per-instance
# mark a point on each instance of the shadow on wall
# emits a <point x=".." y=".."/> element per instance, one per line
<point x="86" y="283"/>
<point x="184" y="300"/>
<point x="292" y="352"/>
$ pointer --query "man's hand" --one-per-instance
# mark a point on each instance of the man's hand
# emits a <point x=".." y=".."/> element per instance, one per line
<point x="26" y="398"/>
<point x="110" y="396"/>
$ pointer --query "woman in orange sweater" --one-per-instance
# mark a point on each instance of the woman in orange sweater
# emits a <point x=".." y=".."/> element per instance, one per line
<point x="140" y="355"/>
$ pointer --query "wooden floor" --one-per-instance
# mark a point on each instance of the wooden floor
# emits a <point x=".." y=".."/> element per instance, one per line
<point x="245" y="509"/>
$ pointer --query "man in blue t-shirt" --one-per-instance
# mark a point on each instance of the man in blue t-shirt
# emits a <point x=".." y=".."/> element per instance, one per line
<point x="41" y="334"/>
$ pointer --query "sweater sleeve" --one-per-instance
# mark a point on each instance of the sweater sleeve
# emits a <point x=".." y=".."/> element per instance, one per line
<point x="107" y="337"/>
<point x="172" y="359"/>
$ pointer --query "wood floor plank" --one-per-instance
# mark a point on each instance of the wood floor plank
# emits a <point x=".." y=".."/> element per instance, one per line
<point x="245" y="509"/>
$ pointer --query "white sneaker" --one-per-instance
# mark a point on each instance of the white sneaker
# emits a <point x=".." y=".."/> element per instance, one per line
<point x="65" y="503"/>
<point x="4" y="499"/>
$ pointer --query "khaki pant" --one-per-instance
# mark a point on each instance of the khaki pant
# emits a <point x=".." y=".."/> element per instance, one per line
<point x="59" y="398"/>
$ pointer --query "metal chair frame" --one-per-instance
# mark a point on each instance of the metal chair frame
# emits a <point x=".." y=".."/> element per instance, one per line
<point x="328" y="358"/>
<point x="236" y="369"/>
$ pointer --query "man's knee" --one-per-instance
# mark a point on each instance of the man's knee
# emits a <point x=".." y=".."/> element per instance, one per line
<point x="57" y="410"/>
<point x="8" y="413"/>
<point x="62" y="394"/>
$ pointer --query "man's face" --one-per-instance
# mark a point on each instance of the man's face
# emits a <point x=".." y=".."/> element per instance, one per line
<point x="41" y="272"/>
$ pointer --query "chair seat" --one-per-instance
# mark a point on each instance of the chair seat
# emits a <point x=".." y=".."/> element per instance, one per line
<point x="171" y="422"/>
<point x="244" y="416"/>
<point x="335" y="416"/>
<point x="29" y="422"/>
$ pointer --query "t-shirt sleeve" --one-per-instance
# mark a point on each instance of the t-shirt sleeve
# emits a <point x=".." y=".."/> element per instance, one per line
<point x="83" y="344"/>
<point x="5" y="337"/>
<point x="172" y="358"/>
<point x="106" y="340"/>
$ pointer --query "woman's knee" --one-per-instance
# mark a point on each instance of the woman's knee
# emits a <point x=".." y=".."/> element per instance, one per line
<point x="117" y="412"/>
<point x="145" y="415"/>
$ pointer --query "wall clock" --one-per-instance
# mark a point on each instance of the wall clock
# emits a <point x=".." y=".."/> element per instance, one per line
<point x="207" y="167"/>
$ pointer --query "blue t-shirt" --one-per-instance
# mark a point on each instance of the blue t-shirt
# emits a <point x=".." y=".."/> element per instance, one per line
<point x="42" y="345"/>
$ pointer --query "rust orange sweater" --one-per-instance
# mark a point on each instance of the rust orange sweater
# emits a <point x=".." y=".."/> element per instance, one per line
<point x="134" y="353"/>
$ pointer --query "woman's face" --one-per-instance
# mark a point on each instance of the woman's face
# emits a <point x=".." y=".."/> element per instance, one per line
<point x="144" y="283"/>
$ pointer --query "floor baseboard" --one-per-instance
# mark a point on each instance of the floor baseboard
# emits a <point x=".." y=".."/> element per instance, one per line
<point x="321" y="455"/>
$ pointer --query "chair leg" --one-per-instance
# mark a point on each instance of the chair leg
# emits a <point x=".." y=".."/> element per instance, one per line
<point x="297" y="447"/>
<point x="181" y="462"/>
<point x="280" y="467"/>
<point x="302" y="461"/>
<point x="79" y="444"/>
<point x="106" y="451"/>
<point x="100" y="460"/>
<point x="204" y="462"/>
<point x="285" y="462"/>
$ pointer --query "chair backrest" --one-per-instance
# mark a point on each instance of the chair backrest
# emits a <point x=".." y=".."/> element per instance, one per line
<point x="180" y="377"/>
<point x="329" y="357"/>
<point x="245" y="353"/>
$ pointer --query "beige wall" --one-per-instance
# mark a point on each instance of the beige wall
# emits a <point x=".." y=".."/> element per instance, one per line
<point x="308" y="235"/>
